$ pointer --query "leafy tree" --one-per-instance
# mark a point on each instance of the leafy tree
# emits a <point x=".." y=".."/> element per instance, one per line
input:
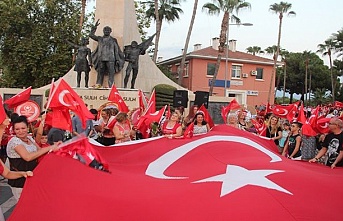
<point x="32" y="41"/>
<point x="161" y="10"/>
<point x="227" y="7"/>
<point x="254" y="50"/>
<point x="296" y="68"/>
<point x="279" y="9"/>
<point x="142" y="20"/>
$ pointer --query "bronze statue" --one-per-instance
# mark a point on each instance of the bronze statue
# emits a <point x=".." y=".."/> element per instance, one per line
<point x="83" y="60"/>
<point x="107" y="57"/>
<point x="132" y="53"/>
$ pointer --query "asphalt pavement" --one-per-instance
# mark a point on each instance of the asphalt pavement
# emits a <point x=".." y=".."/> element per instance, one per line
<point x="7" y="202"/>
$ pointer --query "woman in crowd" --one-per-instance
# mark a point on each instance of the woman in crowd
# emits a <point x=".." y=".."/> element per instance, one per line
<point x="200" y="125"/>
<point x="172" y="128"/>
<point x="106" y="137"/>
<point x="23" y="152"/>
<point x="242" y="114"/>
<point x="122" y="128"/>
<point x="293" y="143"/>
<point x="274" y="130"/>
<point x="4" y="171"/>
<point x="190" y="117"/>
<point x="232" y="120"/>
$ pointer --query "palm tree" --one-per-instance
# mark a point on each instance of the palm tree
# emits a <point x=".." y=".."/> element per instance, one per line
<point x="326" y="49"/>
<point x="284" y="54"/>
<point x="160" y="10"/>
<point x="306" y="55"/>
<point x="279" y="9"/>
<point x="226" y="6"/>
<point x="254" y="50"/>
<point x="338" y="39"/>
<point x="183" y="60"/>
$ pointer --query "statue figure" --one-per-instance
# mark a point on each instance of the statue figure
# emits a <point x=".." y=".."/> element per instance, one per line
<point x="83" y="60"/>
<point x="132" y="53"/>
<point x="107" y="57"/>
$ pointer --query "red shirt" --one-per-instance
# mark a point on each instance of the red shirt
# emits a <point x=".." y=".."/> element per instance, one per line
<point x="172" y="130"/>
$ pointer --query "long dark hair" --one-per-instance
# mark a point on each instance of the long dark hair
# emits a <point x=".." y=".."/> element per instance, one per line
<point x="195" y="118"/>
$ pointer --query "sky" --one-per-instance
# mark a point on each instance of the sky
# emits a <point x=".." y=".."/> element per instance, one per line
<point x="314" y="22"/>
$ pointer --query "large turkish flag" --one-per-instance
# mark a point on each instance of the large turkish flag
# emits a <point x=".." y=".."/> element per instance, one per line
<point x="226" y="174"/>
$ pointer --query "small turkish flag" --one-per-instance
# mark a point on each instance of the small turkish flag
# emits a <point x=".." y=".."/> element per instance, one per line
<point x="64" y="96"/>
<point x="19" y="98"/>
<point x="116" y="98"/>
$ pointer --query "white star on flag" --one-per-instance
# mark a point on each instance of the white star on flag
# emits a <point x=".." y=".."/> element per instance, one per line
<point x="237" y="177"/>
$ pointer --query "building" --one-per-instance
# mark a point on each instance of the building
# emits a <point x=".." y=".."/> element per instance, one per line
<point x="247" y="76"/>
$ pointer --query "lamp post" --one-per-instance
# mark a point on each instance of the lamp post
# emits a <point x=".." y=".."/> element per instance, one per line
<point x="227" y="52"/>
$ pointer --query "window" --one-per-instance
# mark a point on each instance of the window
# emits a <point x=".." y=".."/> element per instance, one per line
<point x="185" y="72"/>
<point x="236" y="71"/>
<point x="259" y="73"/>
<point x="211" y="68"/>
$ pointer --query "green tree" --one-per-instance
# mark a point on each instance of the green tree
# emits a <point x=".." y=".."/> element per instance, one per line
<point x="279" y="9"/>
<point x="326" y="50"/>
<point x="162" y="10"/>
<point x="32" y="41"/>
<point x="227" y="7"/>
<point x="321" y="96"/>
<point x="296" y="68"/>
<point x="254" y="50"/>
<point x="143" y="22"/>
<point x="183" y="60"/>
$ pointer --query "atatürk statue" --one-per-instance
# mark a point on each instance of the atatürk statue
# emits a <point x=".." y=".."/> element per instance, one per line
<point x="107" y="57"/>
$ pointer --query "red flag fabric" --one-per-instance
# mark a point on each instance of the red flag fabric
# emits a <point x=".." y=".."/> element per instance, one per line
<point x="260" y="127"/>
<point x="301" y="115"/>
<point x="65" y="97"/>
<point x="231" y="106"/>
<point x="338" y="104"/>
<point x="225" y="174"/>
<point x="2" y="111"/>
<point x="144" y="122"/>
<point x="207" y="116"/>
<point x="116" y="98"/>
<point x="151" y="106"/>
<point x="288" y="111"/>
<point x="322" y="125"/>
<point x="60" y="118"/>
<point x="81" y="150"/>
<point x="142" y="100"/>
<point x="268" y="108"/>
<point x="19" y="98"/>
<point x="189" y="131"/>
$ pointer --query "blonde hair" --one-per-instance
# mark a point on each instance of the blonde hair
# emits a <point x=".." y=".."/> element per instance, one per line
<point x="277" y="125"/>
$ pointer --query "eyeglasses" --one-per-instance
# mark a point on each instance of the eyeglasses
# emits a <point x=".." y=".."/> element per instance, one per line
<point x="332" y="123"/>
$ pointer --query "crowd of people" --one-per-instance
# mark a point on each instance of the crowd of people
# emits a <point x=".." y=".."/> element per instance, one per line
<point x="25" y="143"/>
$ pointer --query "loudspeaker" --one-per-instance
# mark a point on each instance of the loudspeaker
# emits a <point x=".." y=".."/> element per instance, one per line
<point x="201" y="97"/>
<point x="180" y="98"/>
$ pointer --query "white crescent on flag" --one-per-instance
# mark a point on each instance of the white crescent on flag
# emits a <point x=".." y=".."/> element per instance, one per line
<point x="282" y="112"/>
<point x="61" y="98"/>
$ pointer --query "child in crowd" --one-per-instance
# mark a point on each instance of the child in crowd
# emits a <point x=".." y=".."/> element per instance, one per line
<point x="285" y="132"/>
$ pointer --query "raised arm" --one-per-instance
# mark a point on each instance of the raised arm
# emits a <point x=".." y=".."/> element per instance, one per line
<point x="93" y="30"/>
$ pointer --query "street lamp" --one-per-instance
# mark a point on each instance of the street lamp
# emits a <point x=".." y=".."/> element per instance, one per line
<point x="227" y="52"/>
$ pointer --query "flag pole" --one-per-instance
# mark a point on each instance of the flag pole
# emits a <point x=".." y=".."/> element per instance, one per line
<point x="50" y="93"/>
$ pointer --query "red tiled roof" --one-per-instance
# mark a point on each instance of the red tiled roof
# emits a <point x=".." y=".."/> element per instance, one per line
<point x="210" y="53"/>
